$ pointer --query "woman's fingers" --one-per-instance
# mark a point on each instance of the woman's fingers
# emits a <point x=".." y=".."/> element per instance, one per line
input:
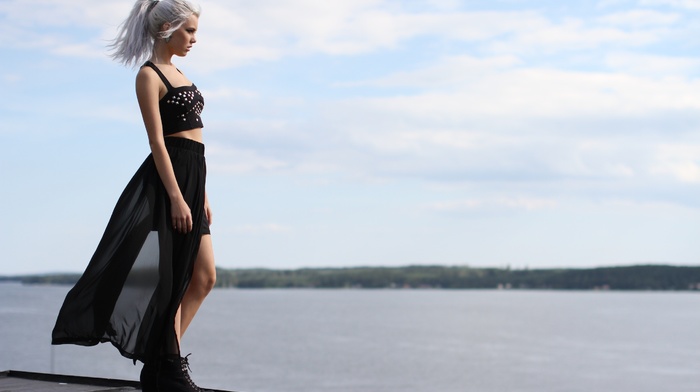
<point x="185" y="225"/>
<point x="188" y="224"/>
<point x="182" y="225"/>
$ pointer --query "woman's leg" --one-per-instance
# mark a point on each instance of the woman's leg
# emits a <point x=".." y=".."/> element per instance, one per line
<point x="203" y="279"/>
<point x="173" y="372"/>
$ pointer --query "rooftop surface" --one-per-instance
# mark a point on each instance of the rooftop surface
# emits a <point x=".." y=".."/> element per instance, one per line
<point x="17" y="381"/>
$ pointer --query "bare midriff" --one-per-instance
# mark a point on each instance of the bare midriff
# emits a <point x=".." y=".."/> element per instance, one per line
<point x="192" y="134"/>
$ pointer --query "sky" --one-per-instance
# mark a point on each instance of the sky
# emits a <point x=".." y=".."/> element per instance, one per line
<point x="499" y="133"/>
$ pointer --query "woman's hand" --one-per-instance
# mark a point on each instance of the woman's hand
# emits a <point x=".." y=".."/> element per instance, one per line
<point x="181" y="216"/>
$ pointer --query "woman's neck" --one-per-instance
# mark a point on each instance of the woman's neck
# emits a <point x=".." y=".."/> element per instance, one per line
<point x="161" y="54"/>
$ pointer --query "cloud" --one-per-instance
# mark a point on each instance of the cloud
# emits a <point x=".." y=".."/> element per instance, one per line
<point x="444" y="73"/>
<point x="652" y="65"/>
<point x="247" y="33"/>
<point x="12" y="78"/>
<point x="490" y="111"/>
<point x="78" y="50"/>
<point x="226" y="159"/>
<point x="263" y="228"/>
<point x="76" y="28"/>
<point x="494" y="205"/>
<point x="452" y="95"/>
<point x="681" y="162"/>
<point x="490" y="119"/>
<point x="350" y="28"/>
<point x="574" y="35"/>
<point x="39" y="14"/>
<point x="235" y="34"/>
<point x="640" y="18"/>
<point x="687" y="4"/>
<point x="402" y="114"/>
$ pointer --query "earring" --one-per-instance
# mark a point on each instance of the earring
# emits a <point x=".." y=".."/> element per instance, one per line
<point x="167" y="39"/>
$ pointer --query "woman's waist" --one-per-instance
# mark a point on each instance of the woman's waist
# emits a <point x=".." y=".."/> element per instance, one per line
<point x="183" y="140"/>
<point x="192" y="134"/>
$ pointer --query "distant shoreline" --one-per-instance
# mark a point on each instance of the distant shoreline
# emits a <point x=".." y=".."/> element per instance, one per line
<point x="636" y="277"/>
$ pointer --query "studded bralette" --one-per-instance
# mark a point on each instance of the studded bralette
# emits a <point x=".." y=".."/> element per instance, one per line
<point x="180" y="108"/>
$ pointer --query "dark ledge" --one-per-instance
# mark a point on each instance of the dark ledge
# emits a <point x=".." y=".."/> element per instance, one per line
<point x="13" y="380"/>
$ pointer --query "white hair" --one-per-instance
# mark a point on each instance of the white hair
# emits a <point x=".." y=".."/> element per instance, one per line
<point x="137" y="34"/>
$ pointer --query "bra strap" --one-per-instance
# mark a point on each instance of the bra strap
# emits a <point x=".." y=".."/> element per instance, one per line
<point x="162" y="77"/>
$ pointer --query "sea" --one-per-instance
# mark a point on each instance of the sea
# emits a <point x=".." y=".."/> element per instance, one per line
<point x="358" y="340"/>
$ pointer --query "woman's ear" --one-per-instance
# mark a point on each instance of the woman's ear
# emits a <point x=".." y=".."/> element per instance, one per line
<point x="165" y="26"/>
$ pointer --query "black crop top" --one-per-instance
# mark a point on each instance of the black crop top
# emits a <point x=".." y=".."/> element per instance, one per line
<point x="180" y="108"/>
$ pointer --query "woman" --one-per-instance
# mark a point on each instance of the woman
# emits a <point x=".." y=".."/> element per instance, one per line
<point x="155" y="264"/>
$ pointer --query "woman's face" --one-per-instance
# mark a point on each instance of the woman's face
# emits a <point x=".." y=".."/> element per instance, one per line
<point x="182" y="39"/>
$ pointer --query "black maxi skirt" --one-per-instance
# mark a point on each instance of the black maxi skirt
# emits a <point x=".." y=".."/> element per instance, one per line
<point x="132" y="287"/>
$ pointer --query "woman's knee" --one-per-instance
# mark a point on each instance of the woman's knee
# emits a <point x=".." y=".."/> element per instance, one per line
<point x="202" y="282"/>
<point x="205" y="283"/>
<point x="209" y="281"/>
<point x="205" y="271"/>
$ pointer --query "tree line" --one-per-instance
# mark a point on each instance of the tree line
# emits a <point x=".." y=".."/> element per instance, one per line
<point x="640" y="277"/>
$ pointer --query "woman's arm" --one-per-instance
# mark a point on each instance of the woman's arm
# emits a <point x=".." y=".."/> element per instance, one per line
<point x="148" y="87"/>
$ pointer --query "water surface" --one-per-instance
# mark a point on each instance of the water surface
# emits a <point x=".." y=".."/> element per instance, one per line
<point x="398" y="340"/>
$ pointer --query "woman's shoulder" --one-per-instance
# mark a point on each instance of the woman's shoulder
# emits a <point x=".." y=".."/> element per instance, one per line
<point x="148" y="83"/>
<point x="147" y="75"/>
<point x="146" y="70"/>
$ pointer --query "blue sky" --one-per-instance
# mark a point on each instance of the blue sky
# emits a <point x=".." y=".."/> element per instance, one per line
<point x="373" y="132"/>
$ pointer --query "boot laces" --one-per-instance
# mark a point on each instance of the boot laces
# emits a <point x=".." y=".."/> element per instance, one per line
<point x="185" y="365"/>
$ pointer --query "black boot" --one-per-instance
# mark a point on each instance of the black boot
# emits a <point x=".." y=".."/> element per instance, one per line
<point x="149" y="377"/>
<point x="174" y="376"/>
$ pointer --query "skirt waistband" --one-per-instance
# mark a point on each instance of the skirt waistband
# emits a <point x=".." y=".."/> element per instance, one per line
<point x="185" y="144"/>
